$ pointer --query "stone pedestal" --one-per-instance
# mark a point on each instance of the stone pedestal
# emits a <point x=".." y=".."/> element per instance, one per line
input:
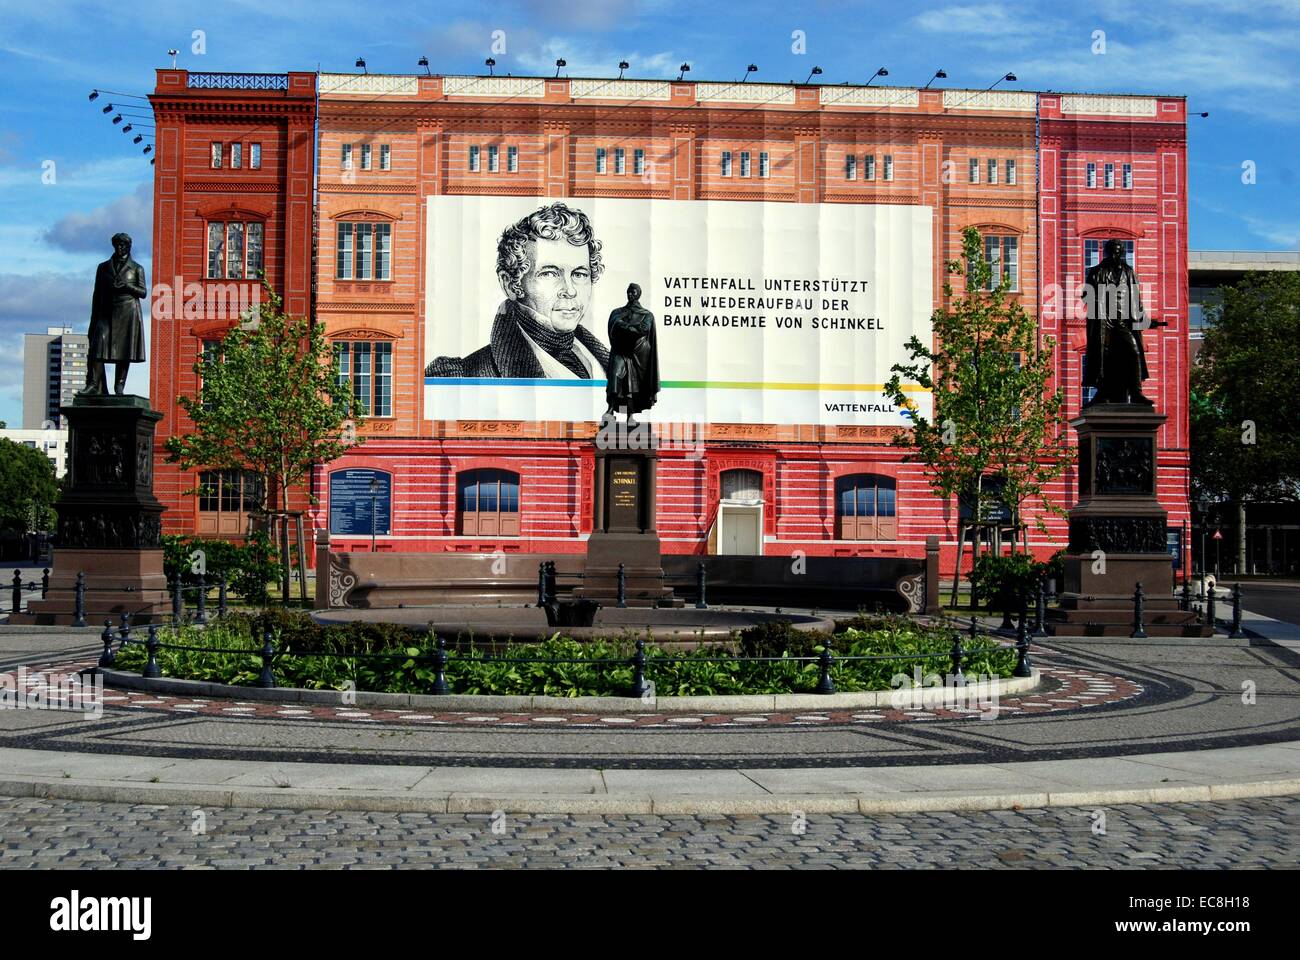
<point x="110" y="523"/>
<point x="1117" y="531"/>
<point x="624" y="532"/>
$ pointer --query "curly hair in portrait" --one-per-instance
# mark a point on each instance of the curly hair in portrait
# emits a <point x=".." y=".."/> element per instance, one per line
<point x="554" y="222"/>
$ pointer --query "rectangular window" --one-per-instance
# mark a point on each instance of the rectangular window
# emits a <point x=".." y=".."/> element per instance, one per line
<point x="225" y="500"/>
<point x="512" y="159"/>
<point x="385" y="157"/>
<point x="383" y="403"/>
<point x="235" y="250"/>
<point x="255" y="156"/>
<point x="1110" y="176"/>
<point x="620" y="161"/>
<point x="889" y="167"/>
<point x="1091" y="176"/>
<point x="343" y="252"/>
<point x="764" y="165"/>
<point x="993" y="172"/>
<point x="974" y="176"/>
<point x="1128" y="176"/>
<point x="870" y="172"/>
<point x="361" y="377"/>
<point x="473" y="158"/>
<point x="365" y="156"/>
<point x="365" y="251"/>
<point x="368" y="369"/>
<point x="254" y="249"/>
<point x="383" y="251"/>
<point x="1011" y="172"/>
<point x="216" y="156"/>
<point x="726" y="163"/>
<point x="850" y="166"/>
<point x="600" y="159"/>
<point x="346" y="157"/>
<point x="216" y="249"/>
<point x="236" y="156"/>
<point x="1002" y="254"/>
<point x="494" y="158"/>
<point x="638" y="162"/>
<point x="744" y="163"/>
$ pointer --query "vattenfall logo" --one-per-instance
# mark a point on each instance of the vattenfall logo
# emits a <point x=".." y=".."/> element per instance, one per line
<point x="75" y="914"/>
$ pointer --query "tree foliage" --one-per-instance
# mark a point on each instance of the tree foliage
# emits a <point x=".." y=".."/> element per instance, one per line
<point x="1244" y="403"/>
<point x="28" y="488"/>
<point x="993" y="415"/>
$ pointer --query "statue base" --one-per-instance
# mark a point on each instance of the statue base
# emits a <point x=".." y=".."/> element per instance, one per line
<point x="1118" y="532"/>
<point x="110" y="523"/>
<point x="624" y="532"/>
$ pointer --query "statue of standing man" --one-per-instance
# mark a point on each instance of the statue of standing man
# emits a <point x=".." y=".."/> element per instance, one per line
<point x="116" y="327"/>
<point x="1116" y="363"/>
<point x="633" y="383"/>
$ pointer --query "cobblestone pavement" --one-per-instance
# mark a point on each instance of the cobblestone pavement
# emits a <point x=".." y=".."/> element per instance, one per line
<point x="72" y="834"/>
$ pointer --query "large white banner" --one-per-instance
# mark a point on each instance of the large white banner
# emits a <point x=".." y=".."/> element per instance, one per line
<point x="764" y="312"/>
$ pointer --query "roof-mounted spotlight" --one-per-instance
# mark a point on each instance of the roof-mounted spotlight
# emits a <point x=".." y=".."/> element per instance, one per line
<point x="622" y="65"/>
<point x="424" y="62"/>
<point x="117" y="119"/>
<point x="938" y="75"/>
<point x="362" y="64"/>
<point x="560" y="65"/>
<point x="127" y="128"/>
<point x="148" y="149"/>
<point x="1009" y="78"/>
<point x="816" y="72"/>
<point x="172" y="54"/>
<point x="490" y="64"/>
<point x="752" y="68"/>
<point x="138" y="138"/>
<point x="94" y="95"/>
<point x="107" y="109"/>
<point x="685" y="68"/>
<point x="882" y="72"/>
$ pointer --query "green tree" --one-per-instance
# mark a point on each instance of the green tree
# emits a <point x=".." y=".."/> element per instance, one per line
<point x="1244" y="404"/>
<point x="993" y="416"/>
<point x="271" y="403"/>
<point x="28" y="488"/>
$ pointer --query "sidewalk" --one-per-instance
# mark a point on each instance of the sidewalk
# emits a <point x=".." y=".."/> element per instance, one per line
<point x="1261" y="771"/>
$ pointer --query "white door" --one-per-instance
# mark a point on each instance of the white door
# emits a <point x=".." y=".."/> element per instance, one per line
<point x="740" y="532"/>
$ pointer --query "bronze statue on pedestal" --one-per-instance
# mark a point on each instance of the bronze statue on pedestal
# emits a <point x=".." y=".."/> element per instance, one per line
<point x="116" y="329"/>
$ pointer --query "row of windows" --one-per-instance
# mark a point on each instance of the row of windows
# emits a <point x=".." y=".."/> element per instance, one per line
<point x="991" y="166"/>
<point x="493" y="159"/>
<point x="236" y="155"/>
<point x="764" y="164"/>
<point x="367" y="156"/>
<point x="868" y="167"/>
<point x="1108" y="176"/>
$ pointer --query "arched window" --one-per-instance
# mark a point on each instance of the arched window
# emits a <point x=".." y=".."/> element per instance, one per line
<point x="488" y="503"/>
<point x="744" y="485"/>
<point x="866" y="507"/>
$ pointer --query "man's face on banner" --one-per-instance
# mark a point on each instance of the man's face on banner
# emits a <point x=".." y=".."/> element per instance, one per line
<point x="558" y="286"/>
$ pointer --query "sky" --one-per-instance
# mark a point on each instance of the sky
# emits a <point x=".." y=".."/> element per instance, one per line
<point x="69" y="178"/>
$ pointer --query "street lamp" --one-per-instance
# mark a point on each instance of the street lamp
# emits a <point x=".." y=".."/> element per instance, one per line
<point x="374" y="497"/>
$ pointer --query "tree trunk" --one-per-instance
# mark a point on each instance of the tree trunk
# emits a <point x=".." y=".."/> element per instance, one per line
<point x="284" y="541"/>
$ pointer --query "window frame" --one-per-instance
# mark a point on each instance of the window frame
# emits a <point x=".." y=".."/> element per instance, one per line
<point x="474" y="159"/>
<point x="620" y="161"/>
<point x="602" y="161"/>
<point x="377" y="236"/>
<point x="368" y="378"/>
<point x="888" y="167"/>
<point x="744" y="164"/>
<point x="869" y="167"/>
<point x="211" y="499"/>
<point x="255" y="156"/>
<point x="512" y="159"/>
<point x="973" y="170"/>
<point x="726" y="163"/>
<point x="881" y="523"/>
<point x="494" y="158"/>
<point x="1090" y="176"/>
<point x="764" y="165"/>
<point x="504" y="517"/>
<point x="216" y="154"/>
<point x="850" y="166"/>
<point x="236" y="155"/>
<point x="1011" y="171"/>
<point x="385" y="156"/>
<point x="1108" y="176"/>
<point x="248" y="229"/>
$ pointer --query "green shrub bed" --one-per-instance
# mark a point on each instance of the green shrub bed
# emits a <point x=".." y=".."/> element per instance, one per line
<point x="565" y="667"/>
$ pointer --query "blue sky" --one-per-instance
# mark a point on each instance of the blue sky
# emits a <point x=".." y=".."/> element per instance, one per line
<point x="1233" y="58"/>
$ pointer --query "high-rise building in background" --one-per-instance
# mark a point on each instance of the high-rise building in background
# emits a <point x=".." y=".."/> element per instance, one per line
<point x="54" y="369"/>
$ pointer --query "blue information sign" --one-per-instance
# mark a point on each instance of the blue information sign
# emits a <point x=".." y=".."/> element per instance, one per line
<point x="351" y="499"/>
<point x="1174" y="543"/>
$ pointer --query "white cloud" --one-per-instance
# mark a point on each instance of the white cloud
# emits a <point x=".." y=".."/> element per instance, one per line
<point x="87" y="232"/>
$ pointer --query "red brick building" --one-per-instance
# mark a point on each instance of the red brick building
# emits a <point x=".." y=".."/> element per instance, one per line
<point x="1015" y="165"/>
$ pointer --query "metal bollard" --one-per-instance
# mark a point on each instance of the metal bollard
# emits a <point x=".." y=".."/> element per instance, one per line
<point x="1040" y="610"/>
<point x="957" y="654"/>
<point x="1210" y="613"/>
<point x="825" y="685"/>
<point x="124" y="631"/>
<point x="106" y="638"/>
<point x="151" y="670"/>
<point x="1023" y="666"/>
<point x="1185" y="601"/>
<point x="639" y="686"/>
<point x="701" y="601"/>
<point x="1237" y="632"/>
<point x="222" y="588"/>
<point x="18" y="591"/>
<point x="622" y="586"/>
<point x="178" y="602"/>
<point x="541" y="584"/>
<point x="440" y="685"/>
<point x="1139" y="631"/>
<point x="45" y="582"/>
<point x="267" y="677"/>
<point x="201" y="614"/>
<point x="79" y="601"/>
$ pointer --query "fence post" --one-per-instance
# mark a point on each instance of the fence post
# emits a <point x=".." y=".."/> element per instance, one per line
<point x="957" y="654"/>
<point x="178" y="602"/>
<point x="1023" y="666"/>
<point x="1185" y="601"/>
<point x="151" y="670"/>
<point x="221" y="598"/>
<point x="1210" y="615"/>
<point x="124" y="631"/>
<point x="622" y="585"/>
<point x="201" y="614"/>
<point x="1139" y="631"/>
<point x="45" y="582"/>
<point x="267" y="678"/>
<point x="440" y="685"/>
<point x="106" y="638"/>
<point x="79" y="601"/>
<point x="639" y="687"/>
<point x="1040" y="610"/>
<point x="1237" y="632"/>
<point x="701" y="602"/>
<point x="541" y="584"/>
<point x="825" y="685"/>
<point x="18" y="591"/>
